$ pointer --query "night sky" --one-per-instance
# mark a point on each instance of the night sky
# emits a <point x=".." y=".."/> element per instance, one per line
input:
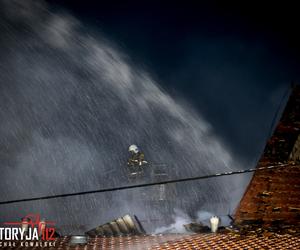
<point x="231" y="61"/>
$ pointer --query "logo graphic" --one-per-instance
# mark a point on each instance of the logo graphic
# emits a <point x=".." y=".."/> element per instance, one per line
<point x="30" y="231"/>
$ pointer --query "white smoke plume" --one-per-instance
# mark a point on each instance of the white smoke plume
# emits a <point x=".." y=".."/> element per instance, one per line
<point x="180" y="219"/>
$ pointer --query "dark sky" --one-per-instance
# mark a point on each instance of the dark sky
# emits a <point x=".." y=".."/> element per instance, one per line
<point x="231" y="61"/>
<point x="157" y="31"/>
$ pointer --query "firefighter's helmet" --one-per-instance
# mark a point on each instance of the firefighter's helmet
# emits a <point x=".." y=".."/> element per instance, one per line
<point x="133" y="149"/>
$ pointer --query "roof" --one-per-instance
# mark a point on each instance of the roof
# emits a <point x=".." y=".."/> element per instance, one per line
<point x="196" y="241"/>
<point x="273" y="196"/>
<point x="269" y="207"/>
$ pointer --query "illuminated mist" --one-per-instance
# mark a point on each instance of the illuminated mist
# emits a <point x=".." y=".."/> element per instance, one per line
<point x="70" y="104"/>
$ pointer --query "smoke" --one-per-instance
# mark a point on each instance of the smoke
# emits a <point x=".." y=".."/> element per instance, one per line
<point x="180" y="219"/>
<point x="71" y="102"/>
<point x="204" y="218"/>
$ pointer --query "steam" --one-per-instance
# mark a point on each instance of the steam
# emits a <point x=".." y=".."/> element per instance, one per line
<point x="71" y="103"/>
<point x="204" y="217"/>
<point x="180" y="219"/>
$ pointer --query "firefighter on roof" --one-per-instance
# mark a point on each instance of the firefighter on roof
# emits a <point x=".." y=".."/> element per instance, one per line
<point x="136" y="160"/>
